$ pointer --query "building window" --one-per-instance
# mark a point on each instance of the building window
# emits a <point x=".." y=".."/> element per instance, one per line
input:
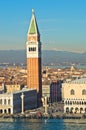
<point x="5" y="101"/>
<point x="85" y="110"/>
<point x="81" y="109"/>
<point x="8" y="101"/>
<point x="32" y="49"/>
<point x="29" y="49"/>
<point x="84" y="92"/>
<point x="66" y="102"/>
<point x="0" y="101"/>
<point x="85" y="103"/>
<point x="67" y="110"/>
<point x="72" y="92"/>
<point x="71" y="110"/>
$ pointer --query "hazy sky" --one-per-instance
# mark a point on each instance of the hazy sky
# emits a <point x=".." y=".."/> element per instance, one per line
<point x="62" y="23"/>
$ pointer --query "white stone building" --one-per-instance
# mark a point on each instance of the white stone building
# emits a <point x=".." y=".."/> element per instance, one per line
<point x="12" y="103"/>
<point x="74" y="96"/>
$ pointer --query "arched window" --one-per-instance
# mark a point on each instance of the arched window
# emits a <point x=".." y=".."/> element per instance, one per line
<point x="29" y="49"/>
<point x="0" y="101"/>
<point x="85" y="110"/>
<point x="66" y="102"/>
<point x="9" y="111"/>
<point x="81" y="109"/>
<point x="85" y="103"/>
<point x="5" y="101"/>
<point x="80" y="102"/>
<point x="83" y="92"/>
<point x="77" y="103"/>
<point x="34" y="49"/>
<point x="70" y="102"/>
<point x="8" y="101"/>
<point x="72" y="92"/>
<point x="5" y="111"/>
<point x="67" y="110"/>
<point x="71" y="110"/>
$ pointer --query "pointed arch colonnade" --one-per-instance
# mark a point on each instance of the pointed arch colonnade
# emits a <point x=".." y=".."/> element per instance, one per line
<point x="75" y="106"/>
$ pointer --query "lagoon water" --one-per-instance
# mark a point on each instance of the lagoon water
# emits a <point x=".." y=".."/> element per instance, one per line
<point x="44" y="124"/>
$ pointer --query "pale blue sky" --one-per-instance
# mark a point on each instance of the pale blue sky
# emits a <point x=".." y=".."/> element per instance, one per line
<point x="62" y="23"/>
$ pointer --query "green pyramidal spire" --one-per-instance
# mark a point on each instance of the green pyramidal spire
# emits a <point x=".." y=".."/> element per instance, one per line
<point x="33" y="29"/>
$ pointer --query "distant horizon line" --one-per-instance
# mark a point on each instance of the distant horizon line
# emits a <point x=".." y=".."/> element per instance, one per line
<point x="46" y="50"/>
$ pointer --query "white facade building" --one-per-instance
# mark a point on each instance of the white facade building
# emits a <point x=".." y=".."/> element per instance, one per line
<point x="12" y="102"/>
<point x="74" y="96"/>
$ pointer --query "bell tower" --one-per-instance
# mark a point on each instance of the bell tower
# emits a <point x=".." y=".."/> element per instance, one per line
<point x="33" y="45"/>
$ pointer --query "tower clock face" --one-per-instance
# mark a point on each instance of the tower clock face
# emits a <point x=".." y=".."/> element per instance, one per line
<point x="32" y="39"/>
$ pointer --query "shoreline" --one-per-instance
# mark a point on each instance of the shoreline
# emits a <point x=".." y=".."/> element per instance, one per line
<point x="27" y="116"/>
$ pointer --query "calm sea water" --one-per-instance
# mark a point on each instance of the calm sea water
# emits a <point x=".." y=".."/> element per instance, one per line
<point x="45" y="124"/>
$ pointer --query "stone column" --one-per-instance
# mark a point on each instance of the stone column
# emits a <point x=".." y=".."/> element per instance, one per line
<point x="7" y="110"/>
<point x="45" y="105"/>
<point x="3" y="111"/>
<point x="2" y="101"/>
<point x="11" y="110"/>
<point x="22" y="104"/>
